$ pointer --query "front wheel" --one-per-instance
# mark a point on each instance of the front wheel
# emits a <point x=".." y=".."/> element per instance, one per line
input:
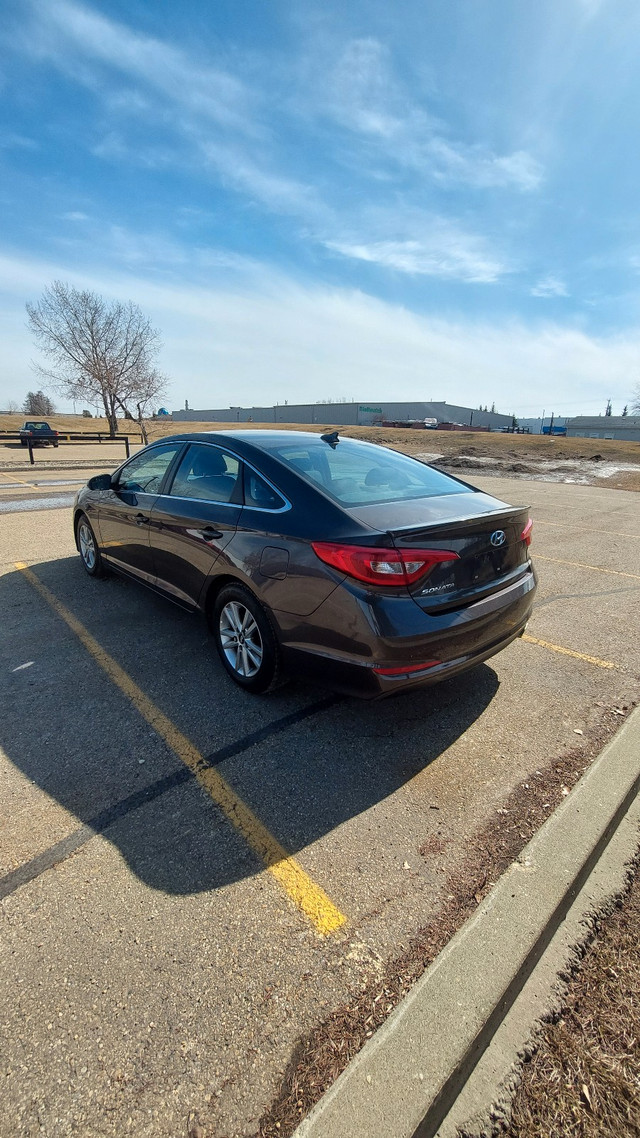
<point x="88" y="548"/>
<point x="245" y="640"/>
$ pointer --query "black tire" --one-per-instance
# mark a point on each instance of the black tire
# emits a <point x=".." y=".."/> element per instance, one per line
<point x="23" y="443"/>
<point x="245" y="639"/>
<point x="88" y="548"/>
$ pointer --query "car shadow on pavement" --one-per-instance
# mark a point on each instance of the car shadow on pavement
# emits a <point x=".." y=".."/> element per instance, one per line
<point x="304" y="761"/>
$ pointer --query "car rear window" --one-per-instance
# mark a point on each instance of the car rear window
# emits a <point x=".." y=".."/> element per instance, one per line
<point x="357" y="474"/>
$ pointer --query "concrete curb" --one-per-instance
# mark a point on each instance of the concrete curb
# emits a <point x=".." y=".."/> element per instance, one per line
<point x="409" y="1076"/>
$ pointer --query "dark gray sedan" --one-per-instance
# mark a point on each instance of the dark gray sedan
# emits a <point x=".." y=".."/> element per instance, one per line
<point x="317" y="555"/>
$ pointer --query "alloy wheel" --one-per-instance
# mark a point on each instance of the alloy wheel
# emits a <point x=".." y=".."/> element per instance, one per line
<point x="87" y="545"/>
<point x="240" y="639"/>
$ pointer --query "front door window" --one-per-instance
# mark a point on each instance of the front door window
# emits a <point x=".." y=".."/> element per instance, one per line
<point x="145" y="472"/>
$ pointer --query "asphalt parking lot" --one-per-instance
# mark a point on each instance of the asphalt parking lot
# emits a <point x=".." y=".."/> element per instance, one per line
<point x="192" y="878"/>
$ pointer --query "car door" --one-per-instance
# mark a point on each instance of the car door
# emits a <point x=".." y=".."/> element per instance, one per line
<point x="124" y="510"/>
<point x="194" y="519"/>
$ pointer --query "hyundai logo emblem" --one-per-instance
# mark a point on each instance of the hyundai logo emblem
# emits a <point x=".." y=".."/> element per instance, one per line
<point x="498" y="538"/>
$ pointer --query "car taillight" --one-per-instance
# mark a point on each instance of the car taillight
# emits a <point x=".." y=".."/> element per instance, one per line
<point x="526" y="533"/>
<point x="380" y="566"/>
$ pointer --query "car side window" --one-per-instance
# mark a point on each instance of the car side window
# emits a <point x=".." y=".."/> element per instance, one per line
<point x="145" y="472"/>
<point x="258" y="492"/>
<point x="309" y="463"/>
<point x="208" y="473"/>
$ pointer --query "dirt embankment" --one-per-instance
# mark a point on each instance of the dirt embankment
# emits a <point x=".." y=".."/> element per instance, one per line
<point x="606" y="462"/>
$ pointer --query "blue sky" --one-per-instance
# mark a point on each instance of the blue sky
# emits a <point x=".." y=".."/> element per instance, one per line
<point x="319" y="200"/>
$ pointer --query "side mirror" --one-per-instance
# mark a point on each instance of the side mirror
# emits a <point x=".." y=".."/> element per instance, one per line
<point x="100" y="482"/>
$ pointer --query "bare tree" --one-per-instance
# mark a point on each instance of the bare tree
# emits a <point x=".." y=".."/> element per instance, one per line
<point x="98" y="350"/>
<point x="13" y="407"/>
<point x="37" y="403"/>
<point x="635" y="405"/>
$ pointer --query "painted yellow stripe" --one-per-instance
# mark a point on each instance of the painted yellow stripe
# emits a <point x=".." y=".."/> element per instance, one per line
<point x="568" y="652"/>
<point x="308" y="896"/>
<point x="594" y="568"/>
<point x="12" y="478"/>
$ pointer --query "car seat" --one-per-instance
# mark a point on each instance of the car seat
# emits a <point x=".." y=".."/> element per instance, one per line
<point x="209" y="477"/>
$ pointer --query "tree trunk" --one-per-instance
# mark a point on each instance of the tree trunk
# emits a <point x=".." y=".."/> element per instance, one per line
<point x="142" y="426"/>
<point x="110" y="414"/>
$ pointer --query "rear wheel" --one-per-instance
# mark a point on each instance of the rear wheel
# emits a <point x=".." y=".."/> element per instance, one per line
<point x="88" y="548"/>
<point x="245" y="639"/>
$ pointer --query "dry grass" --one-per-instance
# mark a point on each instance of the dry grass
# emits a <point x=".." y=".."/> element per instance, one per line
<point x="584" y="1080"/>
<point x="58" y="422"/>
<point x="517" y="447"/>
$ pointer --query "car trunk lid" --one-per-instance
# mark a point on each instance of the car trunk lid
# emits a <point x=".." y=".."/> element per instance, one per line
<point x="491" y="554"/>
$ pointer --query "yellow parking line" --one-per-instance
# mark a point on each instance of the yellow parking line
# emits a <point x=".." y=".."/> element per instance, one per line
<point x="299" y="887"/>
<point x="581" y="565"/>
<point x="12" y="478"/>
<point x="568" y="652"/>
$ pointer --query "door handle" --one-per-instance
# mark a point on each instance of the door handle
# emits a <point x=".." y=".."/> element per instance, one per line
<point x="210" y="534"/>
<point x="141" y="520"/>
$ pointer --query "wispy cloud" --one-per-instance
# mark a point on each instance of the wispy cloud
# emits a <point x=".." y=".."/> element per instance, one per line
<point x="366" y="98"/>
<point x="449" y="255"/>
<point x="238" y="169"/>
<point x="9" y="141"/>
<point x="72" y="35"/>
<point x="74" y="215"/>
<point x="197" y="114"/>
<point x="261" y="334"/>
<point x="202" y="113"/>
<point x="418" y="242"/>
<point x="549" y="286"/>
<point x="473" y="166"/>
<point x="157" y="255"/>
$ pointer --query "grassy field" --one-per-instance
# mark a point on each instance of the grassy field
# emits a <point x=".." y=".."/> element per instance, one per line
<point x="449" y="443"/>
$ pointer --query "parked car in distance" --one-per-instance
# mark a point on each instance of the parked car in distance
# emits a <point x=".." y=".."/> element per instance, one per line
<point x="316" y="555"/>
<point x="40" y="433"/>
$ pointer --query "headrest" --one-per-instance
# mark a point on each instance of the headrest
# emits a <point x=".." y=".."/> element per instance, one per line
<point x="208" y="463"/>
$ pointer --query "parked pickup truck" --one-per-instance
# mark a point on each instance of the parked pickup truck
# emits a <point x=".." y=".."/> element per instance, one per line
<point x="41" y="434"/>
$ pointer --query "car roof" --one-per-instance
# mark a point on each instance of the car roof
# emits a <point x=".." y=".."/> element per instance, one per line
<point x="265" y="440"/>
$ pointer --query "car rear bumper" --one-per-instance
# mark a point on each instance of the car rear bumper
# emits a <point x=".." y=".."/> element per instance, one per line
<point x="385" y="643"/>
